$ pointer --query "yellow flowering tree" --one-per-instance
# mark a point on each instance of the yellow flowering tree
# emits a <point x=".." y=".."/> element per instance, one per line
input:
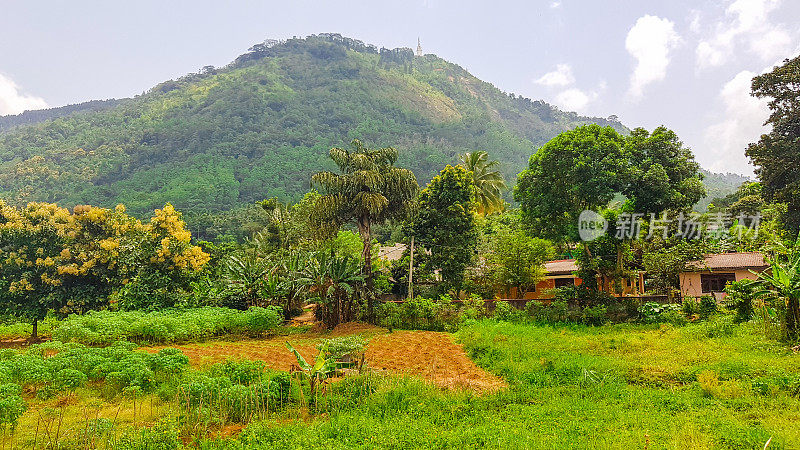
<point x="161" y="260"/>
<point x="54" y="260"/>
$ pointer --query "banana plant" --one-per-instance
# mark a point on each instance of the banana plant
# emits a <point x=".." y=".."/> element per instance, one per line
<point x="317" y="373"/>
<point x="783" y="280"/>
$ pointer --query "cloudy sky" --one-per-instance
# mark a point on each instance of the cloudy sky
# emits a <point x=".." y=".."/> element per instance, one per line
<point x="684" y="64"/>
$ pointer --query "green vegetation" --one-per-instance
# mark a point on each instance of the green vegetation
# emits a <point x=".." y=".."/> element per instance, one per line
<point x="54" y="260"/>
<point x="166" y="327"/>
<point x="215" y="142"/>
<point x="487" y="179"/>
<point x="369" y="190"/>
<point x="775" y="155"/>
<point x="445" y="225"/>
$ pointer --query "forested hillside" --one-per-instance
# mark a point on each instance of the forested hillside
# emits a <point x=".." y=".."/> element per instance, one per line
<point x="212" y="142"/>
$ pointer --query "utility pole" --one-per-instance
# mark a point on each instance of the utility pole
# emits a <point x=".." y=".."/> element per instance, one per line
<point x="411" y="271"/>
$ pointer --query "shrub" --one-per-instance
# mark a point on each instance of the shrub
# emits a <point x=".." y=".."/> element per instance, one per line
<point x="503" y="311"/>
<point x="689" y="307"/>
<point x="707" y="307"/>
<point x="652" y="312"/>
<point x="554" y="312"/>
<point x="420" y="314"/>
<point x="740" y="298"/>
<point x="594" y="315"/>
<point x="11" y="404"/>
<point x="168" y="326"/>
<point x="473" y="307"/>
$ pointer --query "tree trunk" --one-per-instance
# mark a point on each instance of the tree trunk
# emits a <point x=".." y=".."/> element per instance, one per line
<point x="35" y="332"/>
<point x="364" y="229"/>
<point x="793" y="318"/>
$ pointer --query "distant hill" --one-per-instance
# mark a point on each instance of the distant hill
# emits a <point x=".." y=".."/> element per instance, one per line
<point x="40" y="115"/>
<point x="218" y="140"/>
<point x="719" y="185"/>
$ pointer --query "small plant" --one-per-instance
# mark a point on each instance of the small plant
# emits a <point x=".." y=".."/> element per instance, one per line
<point x="652" y="312"/>
<point x="167" y="326"/>
<point x="316" y="374"/>
<point x="503" y="311"/>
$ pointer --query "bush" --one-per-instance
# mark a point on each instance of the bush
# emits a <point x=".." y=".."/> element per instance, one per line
<point x="503" y="311"/>
<point x="169" y="326"/>
<point x="740" y="298"/>
<point x="652" y="312"/>
<point x="594" y="315"/>
<point x="420" y="314"/>
<point x="11" y="404"/>
<point x="473" y="307"/>
<point x="707" y="307"/>
<point x="554" y="312"/>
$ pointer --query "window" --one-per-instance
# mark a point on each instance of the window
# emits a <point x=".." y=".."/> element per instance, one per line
<point x="715" y="282"/>
<point x="561" y="282"/>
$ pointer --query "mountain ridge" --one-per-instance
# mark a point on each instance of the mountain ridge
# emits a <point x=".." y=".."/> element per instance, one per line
<point x="215" y="141"/>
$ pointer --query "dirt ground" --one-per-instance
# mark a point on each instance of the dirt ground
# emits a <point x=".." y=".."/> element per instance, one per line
<point x="430" y="355"/>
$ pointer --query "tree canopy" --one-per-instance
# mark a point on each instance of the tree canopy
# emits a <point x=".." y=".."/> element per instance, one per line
<point x="489" y="182"/>
<point x="445" y="224"/>
<point x="777" y="154"/>
<point x="368" y="189"/>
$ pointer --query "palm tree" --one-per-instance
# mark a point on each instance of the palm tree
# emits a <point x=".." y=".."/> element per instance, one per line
<point x="488" y="181"/>
<point x="369" y="189"/>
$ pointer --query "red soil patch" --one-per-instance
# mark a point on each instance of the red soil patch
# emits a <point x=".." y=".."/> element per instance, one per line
<point x="426" y="354"/>
<point x="430" y="355"/>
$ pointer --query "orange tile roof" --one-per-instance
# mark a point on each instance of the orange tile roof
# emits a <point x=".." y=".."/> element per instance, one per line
<point x="717" y="261"/>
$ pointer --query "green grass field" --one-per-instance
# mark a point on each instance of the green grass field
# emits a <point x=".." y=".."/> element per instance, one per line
<point x="706" y="385"/>
<point x="618" y="386"/>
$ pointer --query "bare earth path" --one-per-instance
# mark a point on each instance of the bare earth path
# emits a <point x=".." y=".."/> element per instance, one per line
<point x="430" y="355"/>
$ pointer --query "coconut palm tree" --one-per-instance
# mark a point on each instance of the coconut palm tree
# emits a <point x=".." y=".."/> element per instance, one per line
<point x="368" y="189"/>
<point x="488" y="181"/>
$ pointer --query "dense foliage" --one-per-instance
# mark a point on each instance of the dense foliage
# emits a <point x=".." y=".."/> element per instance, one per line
<point x="777" y="154"/>
<point x="445" y="225"/>
<point x="168" y="326"/>
<point x="54" y="259"/>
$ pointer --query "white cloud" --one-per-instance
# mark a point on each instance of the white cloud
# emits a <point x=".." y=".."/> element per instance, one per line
<point x="745" y="25"/>
<point x="575" y="99"/>
<point x="742" y="123"/>
<point x="650" y="41"/>
<point x="562" y="76"/>
<point x="555" y="4"/>
<point x="13" y="101"/>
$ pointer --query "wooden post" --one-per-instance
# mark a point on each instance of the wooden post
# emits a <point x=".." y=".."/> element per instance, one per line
<point x="411" y="271"/>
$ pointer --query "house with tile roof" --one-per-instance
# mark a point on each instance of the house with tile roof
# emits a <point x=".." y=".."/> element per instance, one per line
<point x="708" y="276"/>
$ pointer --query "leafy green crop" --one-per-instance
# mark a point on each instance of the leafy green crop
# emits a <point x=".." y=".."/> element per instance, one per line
<point x="179" y="325"/>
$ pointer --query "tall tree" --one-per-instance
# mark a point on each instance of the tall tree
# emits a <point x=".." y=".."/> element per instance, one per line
<point x="777" y="154"/>
<point x="577" y="170"/>
<point x="488" y="181"/>
<point x="446" y="224"/>
<point x="517" y="259"/>
<point x="664" y="175"/>
<point x="369" y="189"/>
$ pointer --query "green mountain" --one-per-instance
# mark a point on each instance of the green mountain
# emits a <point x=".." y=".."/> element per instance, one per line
<point x="223" y="138"/>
